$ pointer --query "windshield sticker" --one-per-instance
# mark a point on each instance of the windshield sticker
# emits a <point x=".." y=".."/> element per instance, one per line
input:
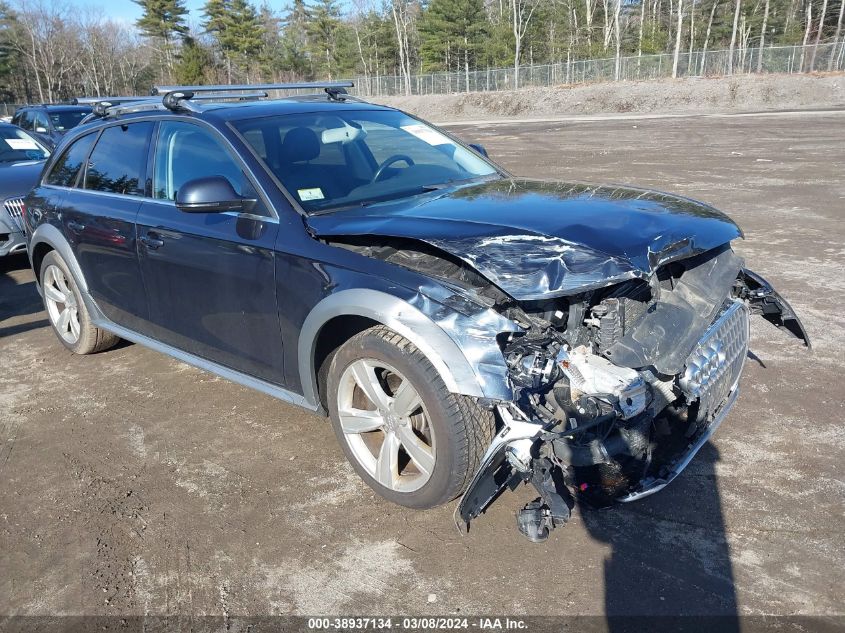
<point x="426" y="134"/>
<point x="21" y="143"/>
<point x="310" y="194"/>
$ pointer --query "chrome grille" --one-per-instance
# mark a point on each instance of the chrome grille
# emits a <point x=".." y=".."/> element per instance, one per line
<point x="712" y="369"/>
<point x="14" y="207"/>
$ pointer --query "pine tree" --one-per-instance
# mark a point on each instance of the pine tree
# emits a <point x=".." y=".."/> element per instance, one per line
<point x="193" y="63"/>
<point x="452" y="34"/>
<point x="163" y="20"/>
<point x="323" y="31"/>
<point x="236" y="27"/>
<point x="295" y="44"/>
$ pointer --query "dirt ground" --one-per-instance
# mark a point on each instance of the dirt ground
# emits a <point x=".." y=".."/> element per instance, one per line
<point x="742" y="93"/>
<point x="133" y="484"/>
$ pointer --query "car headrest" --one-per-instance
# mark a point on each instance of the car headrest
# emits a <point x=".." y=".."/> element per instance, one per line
<point x="300" y="144"/>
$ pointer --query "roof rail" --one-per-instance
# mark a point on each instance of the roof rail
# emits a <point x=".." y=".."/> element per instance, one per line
<point x="306" y="85"/>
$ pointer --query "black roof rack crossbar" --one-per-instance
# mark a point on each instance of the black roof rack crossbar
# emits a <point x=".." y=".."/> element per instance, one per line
<point x="307" y="85"/>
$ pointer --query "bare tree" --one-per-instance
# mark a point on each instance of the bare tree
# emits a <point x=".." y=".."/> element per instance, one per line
<point x="618" y="67"/>
<point x="48" y="46"/>
<point x="707" y="37"/>
<point x="402" y="21"/>
<point x="818" y="36"/>
<point x="832" y="56"/>
<point x="521" y="13"/>
<point x="763" y="37"/>
<point x="678" y="39"/>
<point x="733" y="38"/>
<point x="806" y="35"/>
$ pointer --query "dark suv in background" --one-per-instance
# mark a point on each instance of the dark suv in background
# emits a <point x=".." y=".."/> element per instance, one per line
<point x="50" y="122"/>
<point x="465" y="330"/>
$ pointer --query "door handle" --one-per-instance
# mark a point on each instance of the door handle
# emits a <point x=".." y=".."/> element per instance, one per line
<point x="76" y="227"/>
<point x="151" y="241"/>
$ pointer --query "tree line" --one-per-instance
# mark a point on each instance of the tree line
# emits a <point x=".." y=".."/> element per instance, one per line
<point x="49" y="50"/>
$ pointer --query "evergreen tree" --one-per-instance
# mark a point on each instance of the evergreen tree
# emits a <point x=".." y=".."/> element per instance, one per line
<point x="10" y="67"/>
<point x="163" y="20"/>
<point x="194" y="62"/>
<point x="295" y="41"/>
<point x="324" y="34"/>
<point x="237" y="29"/>
<point x="452" y="34"/>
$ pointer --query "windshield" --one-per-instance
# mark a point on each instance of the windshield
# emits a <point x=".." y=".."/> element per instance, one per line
<point x="64" y="120"/>
<point x="333" y="160"/>
<point x="16" y="145"/>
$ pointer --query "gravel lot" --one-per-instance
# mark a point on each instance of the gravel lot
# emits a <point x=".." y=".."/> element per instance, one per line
<point x="133" y="484"/>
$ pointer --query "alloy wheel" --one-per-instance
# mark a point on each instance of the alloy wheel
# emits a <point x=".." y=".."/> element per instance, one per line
<point x="385" y="424"/>
<point x="62" y="306"/>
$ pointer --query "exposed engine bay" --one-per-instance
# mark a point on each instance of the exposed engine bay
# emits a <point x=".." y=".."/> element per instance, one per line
<point x="616" y="389"/>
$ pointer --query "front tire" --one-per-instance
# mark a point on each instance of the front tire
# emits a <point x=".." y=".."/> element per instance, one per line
<point x="410" y="439"/>
<point x="66" y="310"/>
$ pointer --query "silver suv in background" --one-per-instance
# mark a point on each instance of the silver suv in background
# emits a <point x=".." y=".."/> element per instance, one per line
<point x="22" y="157"/>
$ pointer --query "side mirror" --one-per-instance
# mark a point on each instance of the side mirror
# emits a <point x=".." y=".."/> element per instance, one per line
<point x="479" y="148"/>
<point x="41" y="129"/>
<point x="210" y="195"/>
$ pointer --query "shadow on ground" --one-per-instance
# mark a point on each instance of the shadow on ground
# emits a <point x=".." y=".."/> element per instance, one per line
<point x="669" y="555"/>
<point x="18" y="296"/>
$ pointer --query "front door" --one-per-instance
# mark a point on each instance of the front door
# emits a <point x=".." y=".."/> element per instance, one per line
<point x="210" y="277"/>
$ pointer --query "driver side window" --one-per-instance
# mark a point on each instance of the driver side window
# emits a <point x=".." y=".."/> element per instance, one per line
<point x="185" y="152"/>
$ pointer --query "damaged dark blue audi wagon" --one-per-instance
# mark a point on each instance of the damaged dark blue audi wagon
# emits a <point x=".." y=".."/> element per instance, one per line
<point x="465" y="330"/>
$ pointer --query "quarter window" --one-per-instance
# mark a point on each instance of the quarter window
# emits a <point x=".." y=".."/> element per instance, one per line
<point x="67" y="168"/>
<point x="186" y="152"/>
<point x="118" y="161"/>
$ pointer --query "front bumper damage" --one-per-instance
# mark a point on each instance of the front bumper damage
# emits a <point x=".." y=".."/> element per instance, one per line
<point x="624" y="454"/>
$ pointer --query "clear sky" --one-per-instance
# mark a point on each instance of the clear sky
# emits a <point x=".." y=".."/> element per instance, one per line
<point x="127" y="11"/>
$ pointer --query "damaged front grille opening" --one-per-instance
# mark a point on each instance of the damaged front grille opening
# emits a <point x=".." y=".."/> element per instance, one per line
<point x="619" y="384"/>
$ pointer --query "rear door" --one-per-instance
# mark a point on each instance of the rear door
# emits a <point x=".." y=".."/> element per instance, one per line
<point x="99" y="219"/>
<point x="210" y="277"/>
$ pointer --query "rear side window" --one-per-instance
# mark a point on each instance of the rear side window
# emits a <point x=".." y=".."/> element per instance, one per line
<point x="119" y="159"/>
<point x="67" y="168"/>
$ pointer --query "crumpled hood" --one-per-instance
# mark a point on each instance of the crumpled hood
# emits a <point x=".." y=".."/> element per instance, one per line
<point x="16" y="179"/>
<point x="538" y="239"/>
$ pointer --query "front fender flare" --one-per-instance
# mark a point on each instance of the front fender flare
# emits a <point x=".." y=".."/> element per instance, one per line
<point x="457" y="372"/>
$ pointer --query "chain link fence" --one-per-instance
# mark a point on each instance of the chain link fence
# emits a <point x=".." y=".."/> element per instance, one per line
<point x="829" y="56"/>
<point x="771" y="59"/>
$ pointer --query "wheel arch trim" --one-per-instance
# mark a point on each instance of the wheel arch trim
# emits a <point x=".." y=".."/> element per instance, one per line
<point x="50" y="235"/>
<point x="400" y="316"/>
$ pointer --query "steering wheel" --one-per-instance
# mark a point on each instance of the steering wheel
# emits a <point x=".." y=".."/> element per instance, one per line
<point x="388" y="162"/>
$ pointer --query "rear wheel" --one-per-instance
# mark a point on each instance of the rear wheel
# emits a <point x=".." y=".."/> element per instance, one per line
<point x="406" y="435"/>
<point x="66" y="310"/>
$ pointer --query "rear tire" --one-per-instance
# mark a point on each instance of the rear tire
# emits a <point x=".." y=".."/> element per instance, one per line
<point x="66" y="310"/>
<point x="432" y="439"/>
